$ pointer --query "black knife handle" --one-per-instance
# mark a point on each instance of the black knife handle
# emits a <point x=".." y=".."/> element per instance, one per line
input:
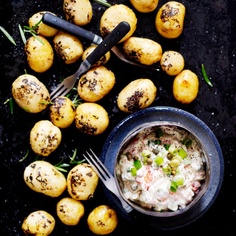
<point x="63" y="25"/>
<point x="109" y="41"/>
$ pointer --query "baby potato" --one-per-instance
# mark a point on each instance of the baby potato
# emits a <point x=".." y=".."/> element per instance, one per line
<point x="82" y="182"/>
<point x="30" y="94"/>
<point x="103" y="60"/>
<point x="41" y="28"/>
<point x="185" y="86"/>
<point x="96" y="83"/>
<point x="102" y="220"/>
<point x="138" y="94"/>
<point x="169" y="20"/>
<point x="62" y="112"/>
<point x="143" y="50"/>
<point x="79" y="12"/>
<point x="70" y="211"/>
<point x="172" y="62"/>
<point x="91" y="118"/>
<point x="114" y="15"/>
<point x="144" y="6"/>
<point x="39" y="53"/>
<point x="68" y="47"/>
<point x="43" y="177"/>
<point x="38" y="223"/>
<point x="45" y="137"/>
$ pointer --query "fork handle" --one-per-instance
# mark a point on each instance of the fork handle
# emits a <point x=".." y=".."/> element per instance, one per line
<point x="64" y="25"/>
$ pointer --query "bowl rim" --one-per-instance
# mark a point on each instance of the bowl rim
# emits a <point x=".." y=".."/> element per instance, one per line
<point x="212" y="147"/>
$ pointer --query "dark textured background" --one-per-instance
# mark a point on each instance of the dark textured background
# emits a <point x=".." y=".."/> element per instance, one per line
<point x="208" y="37"/>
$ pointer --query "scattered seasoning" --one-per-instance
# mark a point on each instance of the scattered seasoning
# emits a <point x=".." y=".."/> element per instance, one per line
<point x="103" y="2"/>
<point x="8" y="35"/>
<point x="205" y="76"/>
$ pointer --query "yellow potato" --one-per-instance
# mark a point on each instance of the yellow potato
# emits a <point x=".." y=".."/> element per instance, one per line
<point x="43" y="177"/>
<point x="185" y="86"/>
<point x="68" y="47"/>
<point x="41" y="28"/>
<point x="96" y="84"/>
<point x="45" y="137"/>
<point x="30" y="94"/>
<point x="143" y="50"/>
<point x="78" y="12"/>
<point x="102" y="220"/>
<point x="82" y="182"/>
<point x="172" y="62"/>
<point x="103" y="60"/>
<point x="39" y="53"/>
<point x="70" y="211"/>
<point x="114" y="15"/>
<point x="169" y="20"/>
<point x="137" y="95"/>
<point x="91" y="118"/>
<point x="38" y="223"/>
<point x="62" y="112"/>
<point x="144" y="6"/>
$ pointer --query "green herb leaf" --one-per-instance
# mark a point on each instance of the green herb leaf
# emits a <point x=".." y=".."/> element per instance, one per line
<point x="7" y="35"/>
<point x="103" y="2"/>
<point x="205" y="76"/>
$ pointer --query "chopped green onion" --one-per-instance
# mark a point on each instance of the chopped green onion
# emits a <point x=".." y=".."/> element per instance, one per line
<point x="182" y="153"/>
<point x="205" y="76"/>
<point x="103" y="2"/>
<point x="167" y="170"/>
<point x="8" y="35"/>
<point x="187" y="142"/>
<point x="159" y="160"/>
<point x="166" y="146"/>
<point x="173" y="186"/>
<point x="146" y="153"/>
<point x="133" y="171"/>
<point x="137" y="164"/>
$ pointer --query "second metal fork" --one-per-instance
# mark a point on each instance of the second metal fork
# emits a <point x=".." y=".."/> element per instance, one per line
<point x="113" y="38"/>
<point x="106" y="177"/>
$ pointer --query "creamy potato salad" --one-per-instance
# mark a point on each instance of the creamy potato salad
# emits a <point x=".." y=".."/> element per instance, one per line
<point x="161" y="168"/>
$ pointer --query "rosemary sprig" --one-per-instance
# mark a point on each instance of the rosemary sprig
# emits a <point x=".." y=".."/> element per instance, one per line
<point x="103" y="2"/>
<point x="8" y="35"/>
<point x="10" y="101"/>
<point x="205" y="76"/>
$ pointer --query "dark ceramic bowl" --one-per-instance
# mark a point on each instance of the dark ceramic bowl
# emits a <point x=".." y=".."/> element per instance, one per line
<point x="212" y="151"/>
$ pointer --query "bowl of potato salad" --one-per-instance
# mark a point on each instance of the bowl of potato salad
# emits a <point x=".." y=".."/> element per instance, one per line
<point x="167" y="164"/>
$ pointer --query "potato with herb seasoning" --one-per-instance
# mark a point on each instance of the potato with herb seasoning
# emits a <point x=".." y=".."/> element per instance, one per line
<point x="143" y="50"/>
<point x="144" y="6"/>
<point x="35" y="21"/>
<point x="185" y="86"/>
<point x="137" y="95"/>
<point x="170" y="18"/>
<point x="38" y="223"/>
<point x="102" y="220"/>
<point x="78" y="12"/>
<point x="43" y="177"/>
<point x="45" y="137"/>
<point x="62" y="112"/>
<point x="91" y="118"/>
<point x="82" y="182"/>
<point x="70" y="211"/>
<point x="39" y="53"/>
<point x="30" y="94"/>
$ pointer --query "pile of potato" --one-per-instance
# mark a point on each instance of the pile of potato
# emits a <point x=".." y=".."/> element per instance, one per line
<point x="89" y="117"/>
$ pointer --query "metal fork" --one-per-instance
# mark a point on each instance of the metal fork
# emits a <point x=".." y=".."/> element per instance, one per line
<point x="64" y="25"/>
<point x="114" y="37"/>
<point x="106" y="177"/>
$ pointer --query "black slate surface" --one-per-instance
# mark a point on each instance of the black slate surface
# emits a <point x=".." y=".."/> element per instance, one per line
<point x="208" y="37"/>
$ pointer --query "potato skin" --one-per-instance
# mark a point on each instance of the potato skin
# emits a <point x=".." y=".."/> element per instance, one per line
<point x="143" y="50"/>
<point x="70" y="211"/>
<point x="185" y="86"/>
<point x="82" y="182"/>
<point x="138" y="94"/>
<point x="42" y="29"/>
<point x="122" y="13"/>
<point x="96" y="83"/>
<point x="30" y="94"/>
<point x="68" y="47"/>
<point x="169" y="20"/>
<point x="38" y="223"/>
<point x="102" y="220"/>
<point x="45" y="137"/>
<point x="172" y="62"/>
<point x="43" y="177"/>
<point x="78" y="12"/>
<point x="39" y="53"/>
<point x="62" y="112"/>
<point x="91" y="118"/>
<point x="144" y="6"/>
